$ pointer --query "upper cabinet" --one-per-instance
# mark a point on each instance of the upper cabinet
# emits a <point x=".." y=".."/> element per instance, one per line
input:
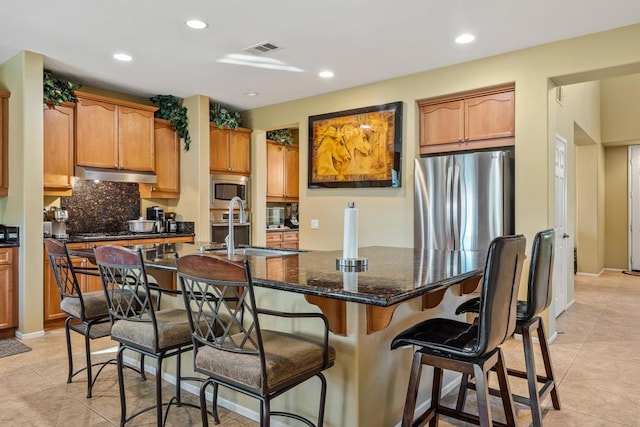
<point x="114" y="134"/>
<point x="167" y="146"/>
<point x="282" y="172"/>
<point x="4" y="143"/>
<point x="467" y="121"/>
<point x="230" y="150"/>
<point x="58" y="149"/>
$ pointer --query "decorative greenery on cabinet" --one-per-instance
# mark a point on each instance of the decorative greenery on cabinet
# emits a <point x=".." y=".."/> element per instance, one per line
<point x="57" y="90"/>
<point x="283" y="136"/>
<point x="170" y="108"/>
<point x="222" y="117"/>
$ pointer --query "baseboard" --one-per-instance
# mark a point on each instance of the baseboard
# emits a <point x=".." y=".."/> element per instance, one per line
<point x="551" y="339"/>
<point x="569" y="304"/>
<point x="29" y="335"/>
<point x="580" y="273"/>
<point x="619" y="270"/>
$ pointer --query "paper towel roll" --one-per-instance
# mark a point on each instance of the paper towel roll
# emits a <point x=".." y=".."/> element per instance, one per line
<point x="350" y="281"/>
<point x="350" y="243"/>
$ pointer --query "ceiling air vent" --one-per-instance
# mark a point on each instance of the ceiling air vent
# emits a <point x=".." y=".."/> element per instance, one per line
<point x="261" y="48"/>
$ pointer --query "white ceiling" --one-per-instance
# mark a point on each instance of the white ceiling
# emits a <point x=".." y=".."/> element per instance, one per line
<point x="362" y="41"/>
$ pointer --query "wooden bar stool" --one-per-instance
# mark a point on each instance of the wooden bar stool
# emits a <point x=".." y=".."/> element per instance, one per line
<point x="528" y="321"/>
<point x="469" y="348"/>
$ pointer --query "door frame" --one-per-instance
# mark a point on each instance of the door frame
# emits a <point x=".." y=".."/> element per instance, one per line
<point x="630" y="175"/>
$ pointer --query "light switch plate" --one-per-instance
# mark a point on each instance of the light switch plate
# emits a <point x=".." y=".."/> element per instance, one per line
<point x="315" y="224"/>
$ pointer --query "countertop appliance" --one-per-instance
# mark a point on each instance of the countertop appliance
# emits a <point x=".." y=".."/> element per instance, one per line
<point x="226" y="187"/>
<point x="170" y="224"/>
<point x="59" y="218"/>
<point x="463" y="201"/>
<point x="9" y="234"/>
<point x="275" y="217"/>
<point x="220" y="228"/>
<point x="156" y="213"/>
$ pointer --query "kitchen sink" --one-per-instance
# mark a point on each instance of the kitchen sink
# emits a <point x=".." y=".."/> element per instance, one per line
<point x="248" y="251"/>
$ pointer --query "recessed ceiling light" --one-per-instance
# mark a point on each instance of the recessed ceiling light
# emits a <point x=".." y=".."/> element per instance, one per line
<point x="251" y="93"/>
<point x="196" y="24"/>
<point x="465" y="38"/>
<point x="326" y="74"/>
<point x="122" y="57"/>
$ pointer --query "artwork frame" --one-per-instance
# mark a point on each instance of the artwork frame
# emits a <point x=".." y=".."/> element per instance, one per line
<point x="361" y="147"/>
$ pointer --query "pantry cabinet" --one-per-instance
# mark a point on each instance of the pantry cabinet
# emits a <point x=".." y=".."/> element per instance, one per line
<point x="230" y="150"/>
<point x="167" y="163"/>
<point x="59" y="137"/>
<point x="114" y="134"/>
<point x="8" y="288"/>
<point x="4" y="143"/>
<point x="468" y="121"/>
<point x="282" y="172"/>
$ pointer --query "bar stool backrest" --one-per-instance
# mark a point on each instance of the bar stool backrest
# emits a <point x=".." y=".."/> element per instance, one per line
<point x="63" y="271"/>
<point x="498" y="295"/>
<point x="125" y="282"/>
<point x="540" y="273"/>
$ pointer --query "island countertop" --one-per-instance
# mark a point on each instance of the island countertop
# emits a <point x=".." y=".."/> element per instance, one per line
<point x="393" y="274"/>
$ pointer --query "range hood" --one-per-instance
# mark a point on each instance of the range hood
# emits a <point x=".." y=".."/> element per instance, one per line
<point x="92" y="174"/>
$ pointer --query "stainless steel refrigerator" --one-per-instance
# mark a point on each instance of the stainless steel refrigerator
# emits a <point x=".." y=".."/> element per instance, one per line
<point x="463" y="201"/>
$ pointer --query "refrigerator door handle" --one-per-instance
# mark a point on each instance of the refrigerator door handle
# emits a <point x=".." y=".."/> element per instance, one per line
<point x="456" y="207"/>
<point x="447" y="212"/>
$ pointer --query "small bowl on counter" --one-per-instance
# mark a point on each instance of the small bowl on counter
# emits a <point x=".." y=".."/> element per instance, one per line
<point x="141" y="225"/>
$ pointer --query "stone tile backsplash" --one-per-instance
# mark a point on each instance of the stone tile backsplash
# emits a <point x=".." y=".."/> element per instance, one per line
<point x="101" y="207"/>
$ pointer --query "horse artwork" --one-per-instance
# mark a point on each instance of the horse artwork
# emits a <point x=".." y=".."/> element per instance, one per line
<point x="356" y="148"/>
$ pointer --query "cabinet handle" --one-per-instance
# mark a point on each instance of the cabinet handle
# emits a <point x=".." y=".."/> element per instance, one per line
<point x="115" y="166"/>
<point x="466" y="138"/>
<point x="459" y="139"/>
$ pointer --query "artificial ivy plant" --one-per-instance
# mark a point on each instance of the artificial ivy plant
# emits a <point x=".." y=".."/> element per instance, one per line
<point x="56" y="90"/>
<point x="222" y="117"/>
<point x="283" y="136"/>
<point x="170" y="108"/>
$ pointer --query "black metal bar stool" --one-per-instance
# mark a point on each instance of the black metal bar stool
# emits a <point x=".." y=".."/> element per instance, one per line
<point x="469" y="348"/>
<point x="528" y="320"/>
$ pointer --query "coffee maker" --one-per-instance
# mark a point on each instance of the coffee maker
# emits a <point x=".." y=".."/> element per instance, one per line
<point x="156" y="213"/>
<point x="59" y="218"/>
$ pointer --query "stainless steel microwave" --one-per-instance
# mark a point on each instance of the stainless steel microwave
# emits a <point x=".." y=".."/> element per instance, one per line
<point x="226" y="187"/>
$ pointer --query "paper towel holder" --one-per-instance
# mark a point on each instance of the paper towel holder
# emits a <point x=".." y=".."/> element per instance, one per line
<point x="357" y="264"/>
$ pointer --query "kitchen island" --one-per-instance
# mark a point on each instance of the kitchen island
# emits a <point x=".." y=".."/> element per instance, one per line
<point x="367" y="385"/>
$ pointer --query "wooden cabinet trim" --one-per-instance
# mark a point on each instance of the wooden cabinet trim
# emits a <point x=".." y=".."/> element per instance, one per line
<point x="467" y="94"/>
<point x="115" y="101"/>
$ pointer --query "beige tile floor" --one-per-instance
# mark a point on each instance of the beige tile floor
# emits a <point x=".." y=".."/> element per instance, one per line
<point x="596" y="360"/>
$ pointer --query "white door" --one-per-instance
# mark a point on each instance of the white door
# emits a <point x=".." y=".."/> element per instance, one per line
<point x="634" y="207"/>
<point x="560" y="227"/>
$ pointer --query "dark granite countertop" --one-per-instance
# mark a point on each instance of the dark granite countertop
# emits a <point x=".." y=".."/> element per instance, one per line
<point x="10" y="245"/>
<point x="393" y="275"/>
<point x="100" y="237"/>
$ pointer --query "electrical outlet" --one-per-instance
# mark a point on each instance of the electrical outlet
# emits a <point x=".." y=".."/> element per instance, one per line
<point x="315" y="223"/>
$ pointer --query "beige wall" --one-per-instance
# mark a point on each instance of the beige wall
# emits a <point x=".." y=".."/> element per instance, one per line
<point x="620" y="109"/>
<point x="22" y="76"/>
<point x="616" y="214"/>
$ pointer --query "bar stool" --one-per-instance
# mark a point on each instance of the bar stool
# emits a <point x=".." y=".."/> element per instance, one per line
<point x="87" y="313"/>
<point x="528" y="320"/>
<point x="139" y="325"/>
<point x="469" y="348"/>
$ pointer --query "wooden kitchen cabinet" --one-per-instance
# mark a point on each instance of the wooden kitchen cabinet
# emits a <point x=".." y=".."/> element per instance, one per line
<point x="114" y="134"/>
<point x="59" y="137"/>
<point x="8" y="288"/>
<point x="230" y="150"/>
<point x="4" y="143"/>
<point x="282" y="172"/>
<point x="282" y="239"/>
<point x="167" y="163"/>
<point x="468" y="121"/>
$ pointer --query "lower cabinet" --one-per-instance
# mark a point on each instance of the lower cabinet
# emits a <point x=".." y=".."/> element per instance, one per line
<point x="8" y="288"/>
<point x="282" y="239"/>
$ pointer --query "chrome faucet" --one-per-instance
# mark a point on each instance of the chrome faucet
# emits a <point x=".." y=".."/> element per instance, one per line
<point x="229" y="239"/>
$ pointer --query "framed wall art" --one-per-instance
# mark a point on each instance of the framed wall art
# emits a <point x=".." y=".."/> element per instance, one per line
<point x="356" y="148"/>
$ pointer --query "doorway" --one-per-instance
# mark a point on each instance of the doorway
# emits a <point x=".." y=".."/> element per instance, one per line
<point x="560" y="226"/>
<point x="634" y="207"/>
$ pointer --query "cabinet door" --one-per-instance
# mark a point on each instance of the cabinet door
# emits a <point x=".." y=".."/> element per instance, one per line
<point x="489" y="117"/>
<point x="96" y="134"/>
<point x="291" y="170"/>
<point x="441" y="123"/>
<point x="51" y="295"/>
<point x="58" y="147"/>
<point x="240" y="151"/>
<point x="136" y="145"/>
<point x="275" y="169"/>
<point x="218" y="149"/>
<point x="274" y="240"/>
<point x="167" y="156"/>
<point x="7" y="297"/>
